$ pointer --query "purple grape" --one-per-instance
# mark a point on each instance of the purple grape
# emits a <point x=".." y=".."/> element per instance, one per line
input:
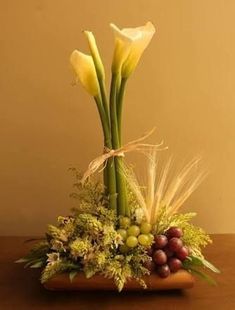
<point x="174" y="264"/>
<point x="174" y="232"/>
<point x="150" y="265"/>
<point x="150" y="251"/>
<point x="175" y="244"/>
<point x="182" y="253"/>
<point x="163" y="271"/>
<point x="168" y="252"/>
<point x="160" y="241"/>
<point x="159" y="257"/>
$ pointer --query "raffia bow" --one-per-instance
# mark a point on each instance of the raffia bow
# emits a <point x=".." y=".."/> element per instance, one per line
<point x="135" y="145"/>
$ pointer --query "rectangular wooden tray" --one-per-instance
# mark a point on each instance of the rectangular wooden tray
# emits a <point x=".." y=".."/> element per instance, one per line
<point x="179" y="280"/>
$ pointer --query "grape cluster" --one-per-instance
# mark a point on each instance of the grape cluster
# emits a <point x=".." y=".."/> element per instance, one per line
<point x="132" y="235"/>
<point x="167" y="252"/>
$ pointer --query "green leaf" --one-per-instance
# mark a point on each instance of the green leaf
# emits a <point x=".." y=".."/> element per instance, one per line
<point x="38" y="264"/>
<point x="72" y="275"/>
<point x="30" y="262"/>
<point x="22" y="260"/>
<point x="210" y="266"/>
<point x="198" y="261"/>
<point x="204" y="276"/>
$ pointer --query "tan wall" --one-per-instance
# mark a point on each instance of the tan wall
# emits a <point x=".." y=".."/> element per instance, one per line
<point x="184" y="85"/>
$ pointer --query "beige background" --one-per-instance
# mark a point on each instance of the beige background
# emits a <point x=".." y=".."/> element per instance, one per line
<point x="184" y="85"/>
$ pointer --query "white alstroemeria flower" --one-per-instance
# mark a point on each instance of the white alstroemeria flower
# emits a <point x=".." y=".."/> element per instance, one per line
<point x="53" y="257"/>
<point x="130" y="44"/>
<point x="84" y="69"/>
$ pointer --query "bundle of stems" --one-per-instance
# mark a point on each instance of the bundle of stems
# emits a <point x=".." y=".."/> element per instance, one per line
<point x="110" y="112"/>
<point x="111" y="119"/>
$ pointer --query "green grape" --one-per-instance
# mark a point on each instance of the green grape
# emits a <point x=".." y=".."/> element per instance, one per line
<point x="123" y="233"/>
<point x="131" y="241"/>
<point x="145" y="228"/>
<point x="143" y="240"/>
<point x="151" y="238"/>
<point x="123" y="248"/>
<point x="124" y="222"/>
<point x="133" y="230"/>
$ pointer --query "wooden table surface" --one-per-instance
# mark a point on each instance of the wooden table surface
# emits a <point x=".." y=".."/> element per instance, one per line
<point x="20" y="288"/>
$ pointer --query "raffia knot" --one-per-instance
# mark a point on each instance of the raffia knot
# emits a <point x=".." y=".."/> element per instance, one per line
<point x="135" y="145"/>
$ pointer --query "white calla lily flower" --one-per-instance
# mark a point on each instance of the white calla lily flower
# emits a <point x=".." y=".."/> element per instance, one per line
<point x="84" y="69"/>
<point x="130" y="44"/>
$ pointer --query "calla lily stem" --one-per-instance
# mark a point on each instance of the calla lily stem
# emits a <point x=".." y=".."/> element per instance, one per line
<point x="120" y="98"/>
<point x="102" y="104"/>
<point x="109" y="173"/>
<point x="120" y="182"/>
<point x="104" y="97"/>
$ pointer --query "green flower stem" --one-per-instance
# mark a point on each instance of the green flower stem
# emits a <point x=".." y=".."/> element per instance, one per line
<point x="119" y="103"/>
<point x="113" y="112"/>
<point x="109" y="171"/>
<point x="120" y="98"/>
<point x="120" y="182"/>
<point x="104" y="97"/>
<point x="109" y="166"/>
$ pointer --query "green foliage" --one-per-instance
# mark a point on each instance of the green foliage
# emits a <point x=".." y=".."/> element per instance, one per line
<point x="72" y="275"/>
<point x="197" y="265"/>
<point x="119" y="271"/>
<point x="57" y="267"/>
<point x="37" y="256"/>
<point x="194" y="261"/>
<point x="195" y="238"/>
<point x="124" y="267"/>
<point x="203" y="276"/>
<point x="90" y="195"/>
<point x="166" y="220"/>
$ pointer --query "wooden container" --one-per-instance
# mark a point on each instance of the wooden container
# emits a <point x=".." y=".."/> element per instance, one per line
<point x="179" y="280"/>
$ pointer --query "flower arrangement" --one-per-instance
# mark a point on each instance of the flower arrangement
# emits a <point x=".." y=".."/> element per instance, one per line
<point x="122" y="229"/>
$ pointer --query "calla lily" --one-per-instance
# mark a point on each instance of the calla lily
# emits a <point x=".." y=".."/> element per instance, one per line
<point x="122" y="48"/>
<point x="129" y="46"/>
<point x="95" y="54"/>
<point x="84" y="69"/>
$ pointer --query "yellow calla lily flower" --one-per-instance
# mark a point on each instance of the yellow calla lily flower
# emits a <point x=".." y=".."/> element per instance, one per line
<point x="95" y="54"/>
<point x="130" y="44"/>
<point x="121" y="49"/>
<point x="84" y="69"/>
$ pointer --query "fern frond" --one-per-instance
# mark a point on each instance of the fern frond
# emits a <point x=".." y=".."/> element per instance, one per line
<point x="57" y="267"/>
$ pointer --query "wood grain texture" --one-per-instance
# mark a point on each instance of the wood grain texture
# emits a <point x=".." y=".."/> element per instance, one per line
<point x="179" y="280"/>
<point x="20" y="289"/>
